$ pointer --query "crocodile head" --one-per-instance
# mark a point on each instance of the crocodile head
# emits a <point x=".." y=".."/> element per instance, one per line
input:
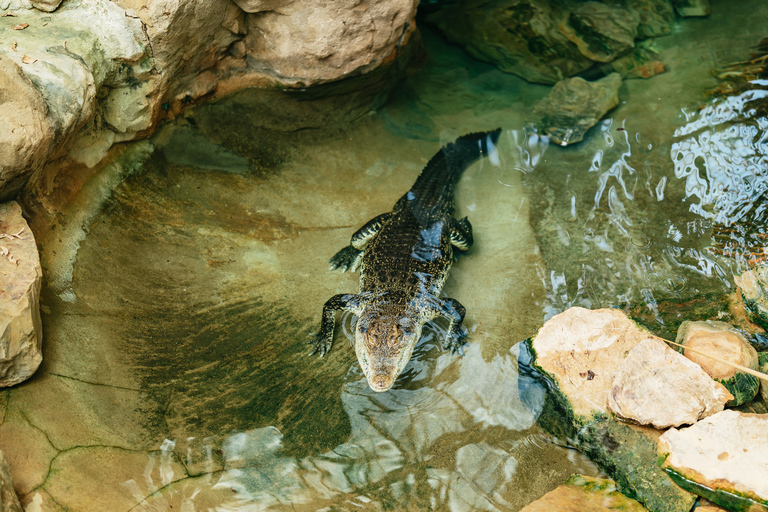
<point x="384" y="342"/>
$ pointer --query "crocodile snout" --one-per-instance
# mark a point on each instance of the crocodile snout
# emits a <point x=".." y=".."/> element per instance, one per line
<point x="380" y="382"/>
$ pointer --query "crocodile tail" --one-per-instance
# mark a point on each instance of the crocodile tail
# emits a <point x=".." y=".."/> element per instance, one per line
<point x="468" y="148"/>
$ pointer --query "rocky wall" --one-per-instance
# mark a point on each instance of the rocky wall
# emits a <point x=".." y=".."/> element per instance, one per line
<point x="77" y="77"/>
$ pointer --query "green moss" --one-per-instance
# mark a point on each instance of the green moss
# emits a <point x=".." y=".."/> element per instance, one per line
<point x="742" y="386"/>
<point x="733" y="501"/>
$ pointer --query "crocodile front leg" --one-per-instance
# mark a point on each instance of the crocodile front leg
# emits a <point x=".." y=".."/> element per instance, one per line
<point x="323" y="341"/>
<point x="457" y="334"/>
<point x="350" y="257"/>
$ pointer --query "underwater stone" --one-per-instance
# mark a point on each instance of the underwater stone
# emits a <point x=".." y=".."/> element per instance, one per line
<point x="656" y="17"/>
<point x="518" y="36"/>
<point x="9" y="502"/>
<point x="20" y="327"/>
<point x="723" y="341"/>
<point x="723" y="458"/>
<point x="584" y="494"/>
<point x="689" y="8"/>
<point x="656" y="385"/>
<point x="574" y="106"/>
<point x="753" y="285"/>
<point x="601" y="32"/>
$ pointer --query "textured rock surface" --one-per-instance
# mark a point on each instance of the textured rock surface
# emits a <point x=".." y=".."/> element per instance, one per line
<point x="582" y="349"/>
<point x="26" y="134"/>
<point x="518" y="36"/>
<point x="9" y="502"/>
<point x="656" y="17"/>
<point x="20" y="274"/>
<point x="723" y="341"/>
<point x="106" y="72"/>
<point x="579" y="351"/>
<point x="723" y="458"/>
<point x="584" y="494"/>
<point x="46" y="5"/>
<point x="575" y="105"/>
<point x="656" y="385"/>
<point x="753" y="285"/>
<point x="601" y="32"/>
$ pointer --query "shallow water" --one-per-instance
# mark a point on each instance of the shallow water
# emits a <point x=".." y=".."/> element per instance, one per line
<point x="185" y="279"/>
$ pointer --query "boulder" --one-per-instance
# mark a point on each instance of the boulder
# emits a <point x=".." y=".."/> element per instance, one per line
<point x="656" y="17"/>
<point x="690" y="8"/>
<point x="723" y="341"/>
<point x="656" y="385"/>
<point x="27" y="134"/>
<point x="584" y="494"/>
<point x="578" y="352"/>
<point x="46" y="5"/>
<point x="574" y="106"/>
<point x="518" y="36"/>
<point x="9" y="502"/>
<point x="602" y="32"/>
<point x="723" y="458"/>
<point x="753" y="285"/>
<point x="20" y="326"/>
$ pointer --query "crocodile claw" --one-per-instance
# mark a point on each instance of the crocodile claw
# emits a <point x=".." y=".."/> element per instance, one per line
<point x="455" y="342"/>
<point x="322" y="344"/>
<point x="346" y="259"/>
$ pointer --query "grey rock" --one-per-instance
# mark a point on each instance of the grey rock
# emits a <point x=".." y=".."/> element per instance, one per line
<point x="657" y="386"/>
<point x="602" y="32"/>
<point x="574" y="106"/>
<point x="656" y="17"/>
<point x="20" y="277"/>
<point x="518" y="36"/>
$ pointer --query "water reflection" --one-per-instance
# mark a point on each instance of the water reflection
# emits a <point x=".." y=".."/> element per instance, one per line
<point x="451" y="446"/>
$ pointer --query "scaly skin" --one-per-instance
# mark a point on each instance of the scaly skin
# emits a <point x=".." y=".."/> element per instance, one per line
<point x="404" y="256"/>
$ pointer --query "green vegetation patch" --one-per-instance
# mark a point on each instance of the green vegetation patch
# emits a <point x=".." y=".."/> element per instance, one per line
<point x="731" y="500"/>
<point x="742" y="386"/>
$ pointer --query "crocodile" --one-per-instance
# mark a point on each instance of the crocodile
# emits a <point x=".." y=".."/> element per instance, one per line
<point x="404" y="257"/>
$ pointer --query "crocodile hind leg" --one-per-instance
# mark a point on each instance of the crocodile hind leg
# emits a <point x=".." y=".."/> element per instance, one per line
<point x="323" y="341"/>
<point x="350" y="257"/>
<point x="457" y="334"/>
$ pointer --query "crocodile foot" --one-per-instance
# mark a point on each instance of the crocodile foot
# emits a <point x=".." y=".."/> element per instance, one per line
<point x="322" y="344"/>
<point x="456" y="340"/>
<point x="348" y="258"/>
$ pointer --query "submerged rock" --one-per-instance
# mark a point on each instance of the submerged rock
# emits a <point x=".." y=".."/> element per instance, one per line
<point x="579" y="353"/>
<point x="584" y="494"/>
<point x="656" y="17"/>
<point x="753" y="285"/>
<point x="9" y="502"/>
<point x="518" y="36"/>
<point x="575" y="105"/>
<point x="723" y="458"/>
<point x="602" y="32"/>
<point x="20" y="327"/>
<point x="723" y="341"/>
<point x="656" y="385"/>
<point x="689" y="8"/>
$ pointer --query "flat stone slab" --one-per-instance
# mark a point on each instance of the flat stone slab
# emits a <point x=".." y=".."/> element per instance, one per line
<point x="575" y="105"/>
<point x="582" y="350"/>
<point x="584" y="494"/>
<point x="21" y="333"/>
<point x="656" y="385"/>
<point x="723" y="458"/>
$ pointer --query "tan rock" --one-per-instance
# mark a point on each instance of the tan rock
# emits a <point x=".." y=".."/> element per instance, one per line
<point x="9" y="502"/>
<point x="28" y="451"/>
<point x="582" y="349"/>
<point x="656" y="385"/>
<point x="20" y="277"/>
<point x="719" y="339"/>
<point x="725" y="342"/>
<point x="584" y="494"/>
<point x="725" y="452"/>
<point x="26" y="134"/>
<point x="46" y="5"/>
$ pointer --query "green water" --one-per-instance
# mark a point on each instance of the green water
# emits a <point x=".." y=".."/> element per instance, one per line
<point x="180" y="297"/>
